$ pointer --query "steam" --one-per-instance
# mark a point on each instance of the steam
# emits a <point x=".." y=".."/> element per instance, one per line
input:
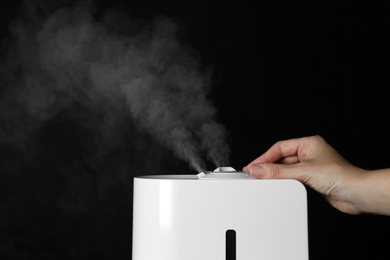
<point x="113" y="65"/>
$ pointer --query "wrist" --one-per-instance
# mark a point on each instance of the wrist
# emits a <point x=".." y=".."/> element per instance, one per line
<point x="358" y="190"/>
<point x="372" y="192"/>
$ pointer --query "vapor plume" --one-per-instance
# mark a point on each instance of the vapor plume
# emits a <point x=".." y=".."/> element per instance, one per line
<point x="116" y="66"/>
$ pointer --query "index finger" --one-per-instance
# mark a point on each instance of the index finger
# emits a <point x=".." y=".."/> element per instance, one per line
<point x="279" y="151"/>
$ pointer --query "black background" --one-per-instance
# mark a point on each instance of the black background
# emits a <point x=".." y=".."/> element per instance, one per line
<point x="282" y="69"/>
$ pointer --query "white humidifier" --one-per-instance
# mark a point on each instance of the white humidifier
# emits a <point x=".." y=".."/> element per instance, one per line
<point x="220" y="215"/>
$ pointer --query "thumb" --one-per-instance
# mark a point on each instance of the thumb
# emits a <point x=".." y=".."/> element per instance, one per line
<point x="275" y="171"/>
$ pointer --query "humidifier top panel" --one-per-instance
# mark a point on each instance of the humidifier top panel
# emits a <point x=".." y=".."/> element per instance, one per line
<point x="170" y="177"/>
<point x="221" y="173"/>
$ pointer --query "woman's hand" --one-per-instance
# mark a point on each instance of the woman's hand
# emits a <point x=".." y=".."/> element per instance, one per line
<point x="312" y="161"/>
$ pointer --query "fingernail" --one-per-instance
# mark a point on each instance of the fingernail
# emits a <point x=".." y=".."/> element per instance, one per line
<point x="257" y="171"/>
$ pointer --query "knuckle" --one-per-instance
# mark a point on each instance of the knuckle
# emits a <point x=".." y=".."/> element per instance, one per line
<point x="318" y="138"/>
<point x="309" y="146"/>
<point x="304" y="153"/>
<point x="274" y="171"/>
<point x="278" y="148"/>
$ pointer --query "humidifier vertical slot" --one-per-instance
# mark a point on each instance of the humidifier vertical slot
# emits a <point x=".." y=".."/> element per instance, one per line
<point x="230" y="244"/>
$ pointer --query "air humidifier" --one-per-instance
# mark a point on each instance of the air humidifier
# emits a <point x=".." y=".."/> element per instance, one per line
<point x="219" y="215"/>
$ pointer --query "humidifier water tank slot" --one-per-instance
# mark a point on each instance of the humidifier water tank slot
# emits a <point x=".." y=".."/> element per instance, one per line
<point x="230" y="244"/>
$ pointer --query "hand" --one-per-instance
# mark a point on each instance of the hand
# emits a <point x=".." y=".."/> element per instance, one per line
<point x="316" y="164"/>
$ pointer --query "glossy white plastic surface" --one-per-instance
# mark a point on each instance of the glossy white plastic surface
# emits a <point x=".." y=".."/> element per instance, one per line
<point x="184" y="217"/>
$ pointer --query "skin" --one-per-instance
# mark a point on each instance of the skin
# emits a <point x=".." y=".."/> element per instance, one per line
<point x="312" y="161"/>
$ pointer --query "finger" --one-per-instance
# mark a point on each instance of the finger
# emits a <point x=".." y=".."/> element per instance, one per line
<point x="289" y="160"/>
<point x="279" y="150"/>
<point x="285" y="160"/>
<point x="276" y="171"/>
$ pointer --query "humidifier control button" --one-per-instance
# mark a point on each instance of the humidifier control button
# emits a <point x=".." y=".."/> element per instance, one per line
<point x="225" y="169"/>
<point x="224" y="173"/>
